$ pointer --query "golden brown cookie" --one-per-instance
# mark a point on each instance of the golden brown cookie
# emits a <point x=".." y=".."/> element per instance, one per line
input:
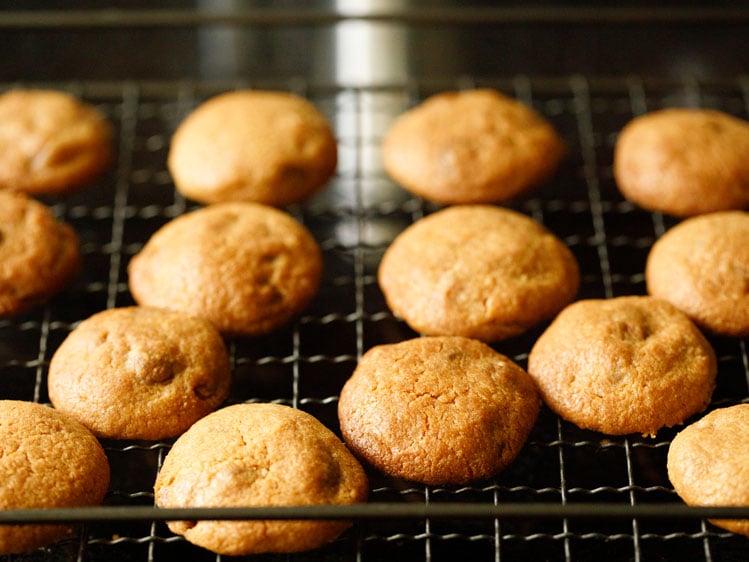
<point x="701" y="266"/>
<point x="51" y="142"/>
<point x="259" y="455"/>
<point x="46" y="460"/>
<point x="245" y="267"/>
<point x="437" y="410"/>
<point x="140" y="373"/>
<point x="269" y="147"/>
<point x="623" y="365"/>
<point x="477" y="271"/>
<point x="708" y="463"/>
<point x="472" y="146"/>
<point x="39" y="255"/>
<point x="684" y="162"/>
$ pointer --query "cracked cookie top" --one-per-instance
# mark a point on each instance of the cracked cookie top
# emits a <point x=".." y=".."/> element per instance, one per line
<point x="47" y="460"/>
<point x="437" y="410"/>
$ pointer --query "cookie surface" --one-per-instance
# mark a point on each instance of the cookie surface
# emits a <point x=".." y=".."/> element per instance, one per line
<point x="437" y="410"/>
<point x="269" y="147"/>
<point x="47" y="460"/>
<point x="701" y="266"/>
<point x="39" y="255"/>
<point x="623" y="365"/>
<point x="473" y="146"/>
<point x="245" y="267"/>
<point x="477" y="271"/>
<point x="139" y="373"/>
<point x="708" y="463"/>
<point x="259" y="455"/>
<point x="51" y="142"/>
<point x="684" y="162"/>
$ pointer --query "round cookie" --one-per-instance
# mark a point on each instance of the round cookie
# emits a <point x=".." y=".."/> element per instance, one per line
<point x="708" y="463"/>
<point x="701" y="266"/>
<point x="269" y="147"/>
<point x="139" y="373"/>
<point x="46" y="460"/>
<point x="259" y="455"/>
<point x="623" y="365"/>
<point x="39" y="255"/>
<point x="437" y="410"/>
<point x="684" y="162"/>
<point x="245" y="267"/>
<point x="51" y="142"/>
<point x="477" y="271"/>
<point x="472" y="146"/>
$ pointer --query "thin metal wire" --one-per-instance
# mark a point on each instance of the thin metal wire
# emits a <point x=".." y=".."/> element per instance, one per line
<point x="128" y="129"/>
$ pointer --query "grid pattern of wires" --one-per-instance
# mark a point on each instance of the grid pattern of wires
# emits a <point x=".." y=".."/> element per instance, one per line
<point x="305" y="364"/>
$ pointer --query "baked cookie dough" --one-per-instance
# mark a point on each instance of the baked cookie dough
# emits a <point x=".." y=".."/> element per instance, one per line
<point x="249" y="145"/>
<point x="39" y="255"/>
<point x="624" y="365"/>
<point x="477" y="271"/>
<point x="245" y="267"/>
<point x="437" y="410"/>
<point x="472" y="146"/>
<point x="701" y="266"/>
<point x="51" y="142"/>
<point x="139" y="373"/>
<point x="259" y="455"/>
<point x="684" y="162"/>
<point x="46" y="460"/>
<point x="708" y="463"/>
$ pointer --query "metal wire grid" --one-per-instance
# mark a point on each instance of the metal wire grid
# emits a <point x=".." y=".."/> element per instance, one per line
<point x="305" y="364"/>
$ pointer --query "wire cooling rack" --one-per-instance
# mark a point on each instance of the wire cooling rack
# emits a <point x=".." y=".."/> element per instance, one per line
<point x="570" y="495"/>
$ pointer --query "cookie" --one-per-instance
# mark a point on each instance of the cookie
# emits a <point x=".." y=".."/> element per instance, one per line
<point x="139" y="373"/>
<point x="684" y="162"/>
<point x="477" y="271"/>
<point x="39" y="255"/>
<point x="701" y="266"/>
<point x="708" y="463"/>
<point x="51" y="142"/>
<point x="437" y="410"/>
<point x="472" y="146"/>
<point x="269" y="147"/>
<point x="259" y="455"/>
<point x="46" y="460"/>
<point x="625" y="365"/>
<point x="245" y="267"/>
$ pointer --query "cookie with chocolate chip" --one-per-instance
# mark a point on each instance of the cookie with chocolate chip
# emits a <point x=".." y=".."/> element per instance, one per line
<point x="259" y="455"/>
<point x="684" y="161"/>
<point x="139" y="373"/>
<point x="477" y="271"/>
<point x="245" y="267"/>
<point x="51" y="142"/>
<point x="268" y="147"/>
<point x="701" y="266"/>
<point x="708" y="463"/>
<point x="39" y="254"/>
<point x="471" y="146"/>
<point x="47" y="460"/>
<point x="629" y="364"/>
<point x="438" y="410"/>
